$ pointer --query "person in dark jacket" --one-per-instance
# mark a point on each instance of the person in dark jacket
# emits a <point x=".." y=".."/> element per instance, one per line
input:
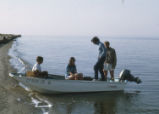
<point x="111" y="60"/>
<point x="71" y="71"/>
<point x="98" y="67"/>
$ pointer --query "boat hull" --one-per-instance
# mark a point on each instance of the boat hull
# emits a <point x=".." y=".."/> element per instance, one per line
<point x="53" y="86"/>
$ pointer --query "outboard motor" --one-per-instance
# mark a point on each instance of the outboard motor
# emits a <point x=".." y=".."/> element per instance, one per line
<point x="126" y="75"/>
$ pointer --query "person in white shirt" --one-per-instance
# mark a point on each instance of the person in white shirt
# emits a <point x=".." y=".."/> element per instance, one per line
<point x="37" y="68"/>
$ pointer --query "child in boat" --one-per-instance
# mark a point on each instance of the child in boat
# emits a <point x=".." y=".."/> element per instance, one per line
<point x="71" y="71"/>
<point x="37" y="68"/>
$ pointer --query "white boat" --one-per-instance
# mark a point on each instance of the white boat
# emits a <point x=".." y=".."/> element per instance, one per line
<point x="57" y="84"/>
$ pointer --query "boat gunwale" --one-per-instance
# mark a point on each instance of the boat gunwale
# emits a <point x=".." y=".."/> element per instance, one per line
<point x="64" y="80"/>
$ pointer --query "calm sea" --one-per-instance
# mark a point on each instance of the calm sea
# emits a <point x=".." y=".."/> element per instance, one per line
<point x="140" y="55"/>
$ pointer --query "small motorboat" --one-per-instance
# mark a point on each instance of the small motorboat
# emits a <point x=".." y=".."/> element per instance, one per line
<point x="57" y="84"/>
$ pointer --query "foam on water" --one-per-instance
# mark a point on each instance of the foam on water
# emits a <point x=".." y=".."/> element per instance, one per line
<point x="38" y="102"/>
<point x="25" y="87"/>
<point x="15" y="60"/>
<point x="41" y="103"/>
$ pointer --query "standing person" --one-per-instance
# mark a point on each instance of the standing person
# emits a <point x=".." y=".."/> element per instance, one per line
<point x="71" y="71"/>
<point x="111" y="60"/>
<point x="101" y="58"/>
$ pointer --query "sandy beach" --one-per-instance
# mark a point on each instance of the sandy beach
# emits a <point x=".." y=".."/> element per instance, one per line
<point x="13" y="98"/>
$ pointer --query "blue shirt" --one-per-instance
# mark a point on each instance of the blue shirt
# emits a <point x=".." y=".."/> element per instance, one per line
<point x="71" y="69"/>
<point x="102" y="50"/>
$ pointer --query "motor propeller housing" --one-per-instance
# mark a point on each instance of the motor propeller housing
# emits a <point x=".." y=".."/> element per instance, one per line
<point x="126" y="75"/>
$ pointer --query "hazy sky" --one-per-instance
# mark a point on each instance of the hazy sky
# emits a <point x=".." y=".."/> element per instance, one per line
<point x="134" y="18"/>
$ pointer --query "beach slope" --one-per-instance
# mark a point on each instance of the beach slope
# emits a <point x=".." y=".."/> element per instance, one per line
<point x="13" y="98"/>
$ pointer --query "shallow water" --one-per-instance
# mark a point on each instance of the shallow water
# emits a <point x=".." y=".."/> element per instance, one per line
<point x="140" y="55"/>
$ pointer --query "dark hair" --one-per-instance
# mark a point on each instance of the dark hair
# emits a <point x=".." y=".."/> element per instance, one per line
<point x="95" y="40"/>
<point x="4" y="38"/>
<point x="71" y="58"/>
<point x="39" y="58"/>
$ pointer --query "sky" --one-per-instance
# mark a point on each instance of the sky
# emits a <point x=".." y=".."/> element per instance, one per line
<point x="115" y="18"/>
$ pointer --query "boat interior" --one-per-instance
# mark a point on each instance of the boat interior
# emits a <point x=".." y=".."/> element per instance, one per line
<point x="56" y="77"/>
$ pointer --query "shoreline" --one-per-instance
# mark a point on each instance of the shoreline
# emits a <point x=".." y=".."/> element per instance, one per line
<point x="13" y="98"/>
<point x="6" y="38"/>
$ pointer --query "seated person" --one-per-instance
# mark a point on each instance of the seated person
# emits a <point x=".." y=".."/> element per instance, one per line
<point x="71" y="71"/>
<point x="37" y="68"/>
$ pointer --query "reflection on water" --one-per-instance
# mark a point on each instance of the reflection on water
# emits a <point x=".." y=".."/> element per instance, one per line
<point x="87" y="103"/>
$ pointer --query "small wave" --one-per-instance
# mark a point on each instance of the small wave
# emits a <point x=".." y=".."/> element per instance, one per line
<point x="41" y="103"/>
<point x="16" y="60"/>
<point x="23" y="86"/>
<point x="38" y="102"/>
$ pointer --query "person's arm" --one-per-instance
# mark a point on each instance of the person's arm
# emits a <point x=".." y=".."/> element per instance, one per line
<point x="35" y="70"/>
<point x="75" y="69"/>
<point x="115" y="60"/>
<point x="103" y="54"/>
<point x="67" y="71"/>
<point x="102" y="51"/>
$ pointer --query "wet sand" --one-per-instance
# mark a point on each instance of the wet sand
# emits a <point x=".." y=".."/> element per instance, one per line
<point x="13" y="98"/>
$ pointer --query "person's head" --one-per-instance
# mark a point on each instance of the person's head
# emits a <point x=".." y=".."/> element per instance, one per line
<point x="72" y="61"/>
<point x="95" y="40"/>
<point x="39" y="59"/>
<point x="107" y="44"/>
<point x="4" y="38"/>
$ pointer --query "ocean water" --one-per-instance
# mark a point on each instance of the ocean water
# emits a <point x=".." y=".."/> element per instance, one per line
<point x="140" y="55"/>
